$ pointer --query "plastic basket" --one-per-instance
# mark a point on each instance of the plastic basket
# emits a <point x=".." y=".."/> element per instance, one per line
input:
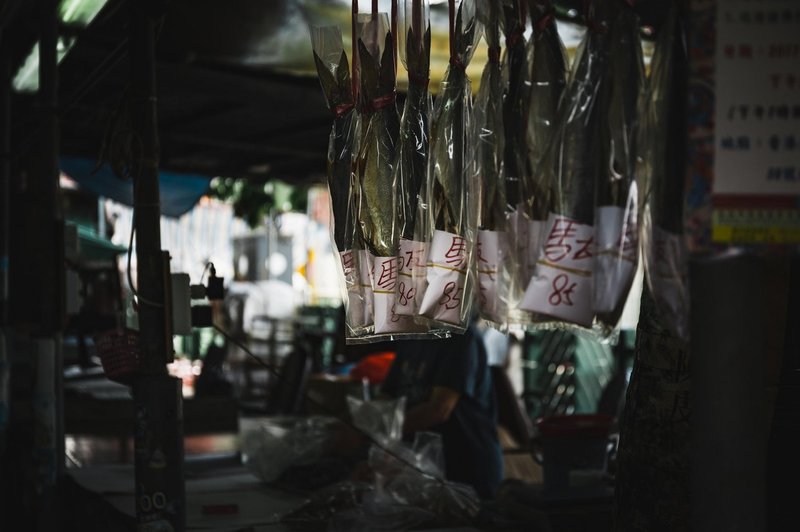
<point x="119" y="353"/>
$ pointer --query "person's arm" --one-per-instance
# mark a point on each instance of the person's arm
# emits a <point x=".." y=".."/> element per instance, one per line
<point x="436" y="410"/>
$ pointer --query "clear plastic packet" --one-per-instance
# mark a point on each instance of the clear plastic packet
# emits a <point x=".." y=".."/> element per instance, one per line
<point x="413" y="475"/>
<point x="382" y="420"/>
<point x="548" y="79"/>
<point x="447" y="298"/>
<point x="275" y="445"/>
<point x="412" y="159"/>
<point x="617" y="211"/>
<point x="561" y="286"/>
<point x="664" y="163"/>
<point x="374" y="161"/>
<point x="334" y="75"/>
<point x="516" y="103"/>
<point x="493" y="254"/>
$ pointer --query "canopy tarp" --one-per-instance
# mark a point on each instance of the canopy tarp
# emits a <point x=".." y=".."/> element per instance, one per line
<point x="179" y="192"/>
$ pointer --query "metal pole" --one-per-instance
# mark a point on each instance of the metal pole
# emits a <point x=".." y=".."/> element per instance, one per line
<point x="5" y="204"/>
<point x="5" y="178"/>
<point x="46" y="231"/>
<point x="157" y="396"/>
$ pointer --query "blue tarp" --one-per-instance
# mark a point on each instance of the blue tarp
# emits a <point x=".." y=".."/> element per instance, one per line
<point x="179" y="192"/>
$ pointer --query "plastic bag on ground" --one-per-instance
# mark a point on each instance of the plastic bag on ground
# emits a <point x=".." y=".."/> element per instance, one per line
<point x="280" y="443"/>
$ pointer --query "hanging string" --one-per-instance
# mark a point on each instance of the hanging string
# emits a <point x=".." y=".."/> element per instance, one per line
<point x="591" y="19"/>
<point x="545" y="20"/>
<point x="354" y="52"/>
<point x="454" y="59"/>
<point x="416" y="22"/>
<point x="451" y="26"/>
<point x="519" y="28"/>
<point x="394" y="35"/>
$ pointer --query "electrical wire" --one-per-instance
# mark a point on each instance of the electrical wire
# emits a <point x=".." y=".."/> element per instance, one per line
<point x="213" y="271"/>
<point x="330" y="411"/>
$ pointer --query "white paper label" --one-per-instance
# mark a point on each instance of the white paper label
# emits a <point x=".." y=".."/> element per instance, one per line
<point x="355" y="293"/>
<point x="616" y="236"/>
<point x="447" y="275"/>
<point x="562" y="284"/>
<point x="492" y="253"/>
<point x="365" y="265"/>
<point x="412" y="276"/>
<point x="667" y="273"/>
<point x="385" y="278"/>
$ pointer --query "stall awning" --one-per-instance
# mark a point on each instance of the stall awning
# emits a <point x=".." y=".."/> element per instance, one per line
<point x="179" y="192"/>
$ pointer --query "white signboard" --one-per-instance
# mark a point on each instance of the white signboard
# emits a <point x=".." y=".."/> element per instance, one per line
<point x="757" y="115"/>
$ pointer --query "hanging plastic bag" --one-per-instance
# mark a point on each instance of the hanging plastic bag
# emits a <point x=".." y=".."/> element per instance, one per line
<point x="515" y="117"/>
<point x="492" y="263"/>
<point x="452" y="211"/>
<point x="548" y="78"/>
<point x="412" y="159"/>
<point x="378" y="129"/>
<point x="561" y="286"/>
<point x="666" y="256"/>
<point x="334" y="74"/>
<point x="617" y="204"/>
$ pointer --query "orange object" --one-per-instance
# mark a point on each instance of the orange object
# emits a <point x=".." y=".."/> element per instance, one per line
<point x="374" y="367"/>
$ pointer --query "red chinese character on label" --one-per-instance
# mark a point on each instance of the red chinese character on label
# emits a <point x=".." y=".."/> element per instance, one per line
<point x="412" y="259"/>
<point x="456" y="255"/>
<point x="585" y="251"/>
<point x="347" y="261"/>
<point x="557" y="247"/>
<point x="388" y="276"/>
<point x="562" y="291"/>
<point x="481" y="258"/>
<point x="730" y="51"/>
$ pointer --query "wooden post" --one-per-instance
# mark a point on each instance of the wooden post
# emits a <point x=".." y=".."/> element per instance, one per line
<point x="44" y="230"/>
<point x="158" y="434"/>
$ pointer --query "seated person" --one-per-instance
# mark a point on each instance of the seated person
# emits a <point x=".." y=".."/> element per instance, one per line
<point x="448" y="389"/>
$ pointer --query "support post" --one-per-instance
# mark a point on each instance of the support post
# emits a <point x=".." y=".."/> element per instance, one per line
<point x="5" y="205"/>
<point x="158" y="436"/>
<point x="44" y="227"/>
<point x="5" y="181"/>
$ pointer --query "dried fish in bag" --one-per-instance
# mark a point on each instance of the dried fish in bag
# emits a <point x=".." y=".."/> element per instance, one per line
<point x="412" y="157"/>
<point x="448" y="296"/>
<point x="378" y="130"/>
<point x="664" y="160"/>
<point x="548" y="78"/>
<point x="334" y="75"/>
<point x="561" y="286"/>
<point x="617" y="195"/>
<point x="493" y="258"/>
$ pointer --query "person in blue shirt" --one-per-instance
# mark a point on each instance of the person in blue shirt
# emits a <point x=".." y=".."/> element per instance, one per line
<point x="448" y="389"/>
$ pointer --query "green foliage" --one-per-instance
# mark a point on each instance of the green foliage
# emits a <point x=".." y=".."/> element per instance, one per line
<point x="253" y="201"/>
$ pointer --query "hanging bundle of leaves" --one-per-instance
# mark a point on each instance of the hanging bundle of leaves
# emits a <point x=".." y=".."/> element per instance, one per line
<point x="548" y="80"/>
<point x="334" y="75"/>
<point x="412" y="161"/>
<point x="378" y="133"/>
<point x="515" y="104"/>
<point x="489" y="132"/>
<point x="450" y="125"/>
